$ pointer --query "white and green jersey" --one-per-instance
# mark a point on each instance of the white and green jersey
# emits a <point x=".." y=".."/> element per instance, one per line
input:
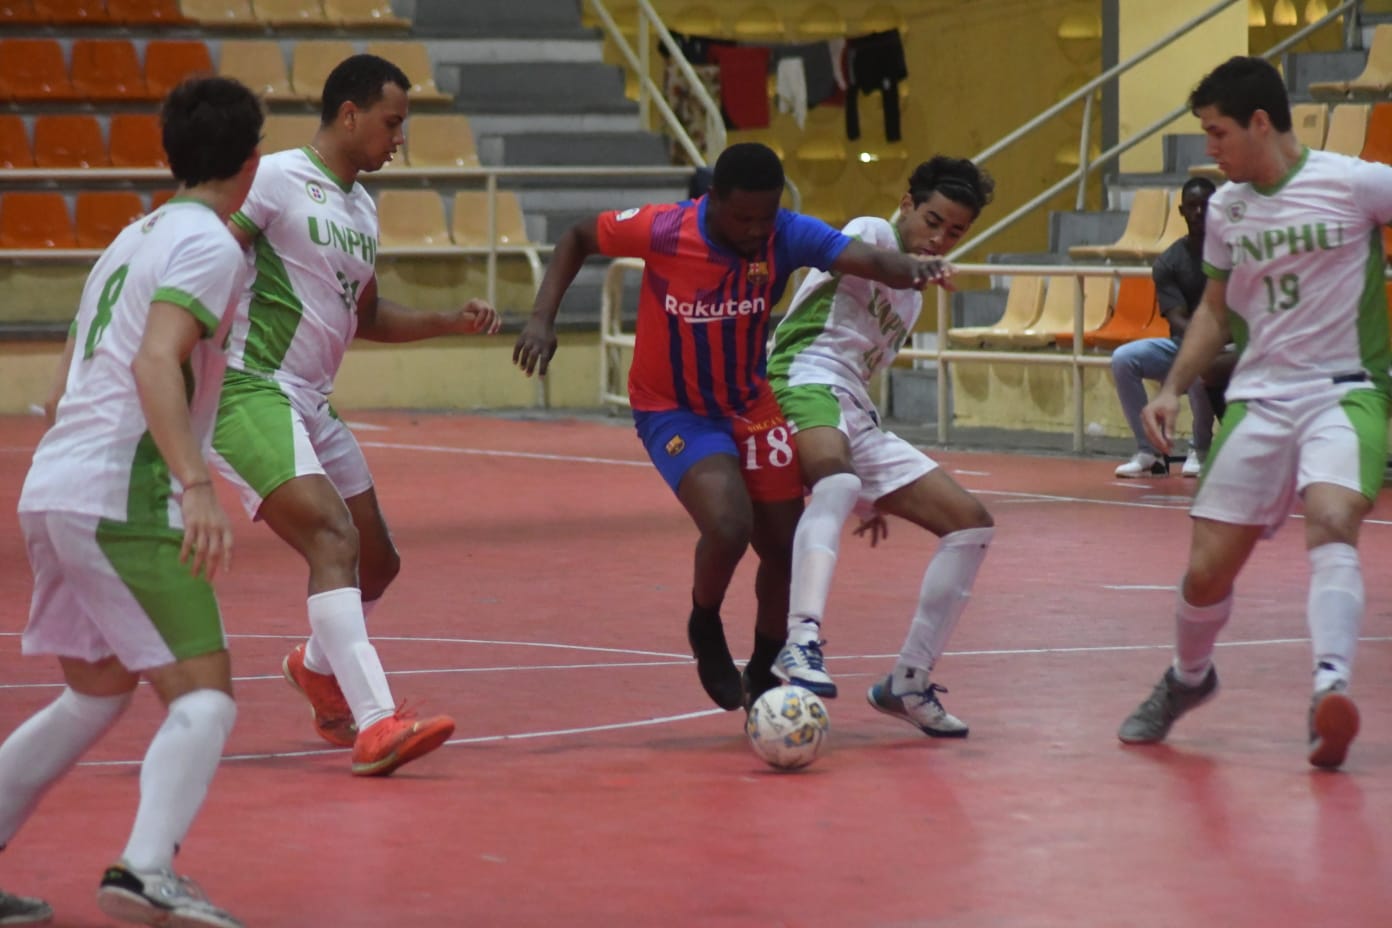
<point x="98" y="458"/>
<point x="1303" y="262"/>
<point x="315" y="251"/>
<point x="841" y="330"/>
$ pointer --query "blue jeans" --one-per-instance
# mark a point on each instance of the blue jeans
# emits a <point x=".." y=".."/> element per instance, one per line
<point x="1150" y="359"/>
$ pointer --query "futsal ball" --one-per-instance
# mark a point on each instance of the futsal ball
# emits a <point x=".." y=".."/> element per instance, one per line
<point x="787" y="727"/>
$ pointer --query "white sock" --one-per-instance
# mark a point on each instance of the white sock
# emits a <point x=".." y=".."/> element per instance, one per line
<point x="174" y="778"/>
<point x="336" y="618"/>
<point x="815" y="547"/>
<point x="943" y="595"/>
<point x="40" y="751"/>
<point x="1196" y="631"/>
<point x="316" y="658"/>
<point x="1335" y="611"/>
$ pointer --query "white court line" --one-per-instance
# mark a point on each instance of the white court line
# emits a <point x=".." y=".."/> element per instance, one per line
<point x="478" y="739"/>
<point x="1169" y="588"/>
<point x="367" y="427"/>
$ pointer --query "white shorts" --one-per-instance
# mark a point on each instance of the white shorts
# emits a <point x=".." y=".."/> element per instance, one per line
<point x="1269" y="451"/>
<point x="104" y="588"/>
<point x="269" y="433"/>
<point x="883" y="461"/>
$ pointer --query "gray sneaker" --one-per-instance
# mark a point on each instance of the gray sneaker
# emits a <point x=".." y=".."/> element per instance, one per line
<point x="21" y="910"/>
<point x="1333" y="725"/>
<point x="158" y="897"/>
<point x="920" y="709"/>
<point x="1170" y="699"/>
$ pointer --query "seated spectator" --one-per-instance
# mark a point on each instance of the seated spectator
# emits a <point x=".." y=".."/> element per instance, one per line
<point x="1179" y="283"/>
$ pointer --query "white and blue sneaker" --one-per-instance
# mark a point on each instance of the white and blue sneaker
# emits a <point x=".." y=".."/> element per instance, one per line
<point x="920" y="708"/>
<point x="803" y="665"/>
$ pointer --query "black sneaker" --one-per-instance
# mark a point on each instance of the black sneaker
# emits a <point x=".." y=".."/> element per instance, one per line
<point x="756" y="684"/>
<point x="719" y="675"/>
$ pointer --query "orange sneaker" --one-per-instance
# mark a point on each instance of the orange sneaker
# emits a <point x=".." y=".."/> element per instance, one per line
<point x="398" y="739"/>
<point x="333" y="720"/>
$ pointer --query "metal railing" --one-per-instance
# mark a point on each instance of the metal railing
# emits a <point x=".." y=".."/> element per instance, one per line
<point x="1087" y="93"/>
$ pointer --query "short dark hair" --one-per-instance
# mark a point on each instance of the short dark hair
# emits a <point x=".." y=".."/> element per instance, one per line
<point x="957" y="179"/>
<point x="210" y="126"/>
<point x="1201" y="184"/>
<point x="1242" y="85"/>
<point x="359" y="78"/>
<point x="747" y="166"/>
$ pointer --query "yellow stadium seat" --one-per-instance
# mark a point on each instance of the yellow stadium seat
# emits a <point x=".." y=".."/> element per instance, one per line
<point x="311" y="62"/>
<point x="284" y="131"/>
<point x="289" y="12"/>
<point x="1056" y="317"/>
<point x="359" y="14"/>
<point x="260" y="64"/>
<point x="1348" y="128"/>
<point x="470" y="225"/>
<point x="441" y="140"/>
<point x="758" y="24"/>
<point x="412" y="219"/>
<point x="222" y="13"/>
<point x="817" y="23"/>
<point x="414" y="59"/>
<point x="1144" y="224"/>
<point x="1023" y="304"/>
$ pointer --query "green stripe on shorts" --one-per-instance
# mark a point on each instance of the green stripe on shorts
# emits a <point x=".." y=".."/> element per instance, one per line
<point x="181" y="606"/>
<point x="808" y="406"/>
<point x="1367" y="413"/>
<point x="254" y="431"/>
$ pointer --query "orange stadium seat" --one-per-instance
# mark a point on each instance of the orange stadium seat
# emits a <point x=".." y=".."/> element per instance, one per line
<point x="145" y="12"/>
<point x="102" y="214"/>
<point x="168" y="62"/>
<point x="69" y="141"/>
<point x="70" y="12"/>
<point x="414" y="59"/>
<point x="1131" y="318"/>
<point x="136" y="141"/>
<point x="225" y="13"/>
<point x="35" y="220"/>
<point x="159" y="198"/>
<point x="33" y="69"/>
<point x="16" y="12"/>
<point x="412" y="219"/>
<point x="311" y="62"/>
<point x="15" y="151"/>
<point x="107" y="69"/>
<point x="260" y="64"/>
<point x="1377" y="145"/>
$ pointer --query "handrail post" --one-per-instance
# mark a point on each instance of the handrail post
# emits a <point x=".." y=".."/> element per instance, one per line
<point x="645" y="63"/>
<point x="491" y="185"/>
<point x="1079" y="414"/>
<point x="1083" y="146"/>
<point x="944" y="311"/>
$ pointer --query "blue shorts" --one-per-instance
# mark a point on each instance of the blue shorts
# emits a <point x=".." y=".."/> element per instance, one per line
<point x="759" y="440"/>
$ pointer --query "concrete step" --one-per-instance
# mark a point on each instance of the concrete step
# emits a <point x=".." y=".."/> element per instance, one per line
<point x="1068" y="228"/>
<point x="1308" y="68"/>
<point x="536" y="18"/>
<point x="566" y="148"/>
<point x="534" y="87"/>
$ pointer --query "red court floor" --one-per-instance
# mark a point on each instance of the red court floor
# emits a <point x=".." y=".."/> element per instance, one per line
<point x="590" y="783"/>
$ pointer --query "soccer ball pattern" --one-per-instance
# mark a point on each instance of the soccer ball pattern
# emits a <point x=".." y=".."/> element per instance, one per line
<point x="787" y="727"/>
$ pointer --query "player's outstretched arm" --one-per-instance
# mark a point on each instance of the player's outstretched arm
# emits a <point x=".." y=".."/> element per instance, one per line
<point x="892" y="268"/>
<point x="170" y="336"/>
<point x="381" y="320"/>
<point x="1204" y="338"/>
<point x="537" y="343"/>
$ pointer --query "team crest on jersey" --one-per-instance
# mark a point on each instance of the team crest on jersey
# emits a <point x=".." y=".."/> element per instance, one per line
<point x="626" y="214"/>
<point x="316" y="192"/>
<point x="1236" y="211"/>
<point x="757" y="272"/>
<point x="150" y="223"/>
<point x="676" y="446"/>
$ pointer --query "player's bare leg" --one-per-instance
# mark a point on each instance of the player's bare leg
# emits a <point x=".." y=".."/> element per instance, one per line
<point x="774" y="527"/>
<point x="714" y="495"/>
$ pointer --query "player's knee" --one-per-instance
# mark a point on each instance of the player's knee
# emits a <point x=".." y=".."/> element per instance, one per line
<point x="729" y="537"/>
<point x="334" y="543"/>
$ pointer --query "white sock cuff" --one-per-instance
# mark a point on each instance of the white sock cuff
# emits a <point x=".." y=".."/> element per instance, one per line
<point x="1333" y="555"/>
<point x="837" y="484"/>
<point x="969" y="537"/>
<point x="96" y="710"/>
<point x="207" y="707"/>
<point x="332" y="597"/>
<point x="1217" y="612"/>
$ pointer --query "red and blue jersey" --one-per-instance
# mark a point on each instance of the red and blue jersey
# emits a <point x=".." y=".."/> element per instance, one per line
<point x="703" y="311"/>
